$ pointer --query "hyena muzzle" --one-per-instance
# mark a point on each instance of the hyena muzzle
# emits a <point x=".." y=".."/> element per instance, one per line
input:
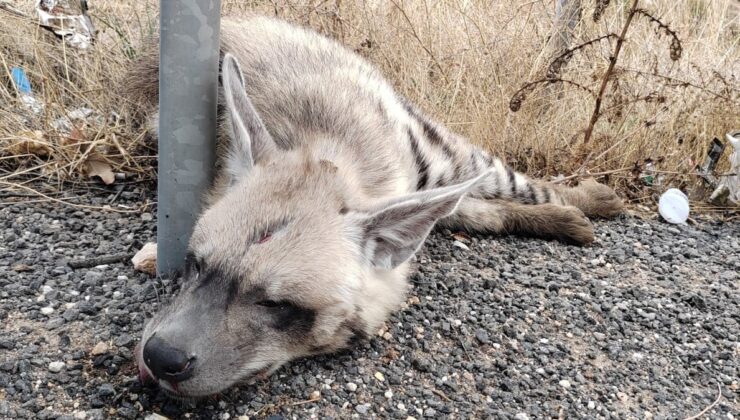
<point x="328" y="184"/>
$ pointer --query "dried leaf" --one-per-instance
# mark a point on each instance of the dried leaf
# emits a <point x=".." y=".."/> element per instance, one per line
<point x="461" y="236"/>
<point x="146" y="259"/>
<point x="31" y="143"/>
<point x="96" y="165"/>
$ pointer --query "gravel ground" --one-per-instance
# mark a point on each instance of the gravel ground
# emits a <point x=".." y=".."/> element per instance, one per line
<point x="644" y="323"/>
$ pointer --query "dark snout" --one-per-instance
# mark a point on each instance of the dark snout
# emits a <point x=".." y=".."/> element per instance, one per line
<point x="167" y="362"/>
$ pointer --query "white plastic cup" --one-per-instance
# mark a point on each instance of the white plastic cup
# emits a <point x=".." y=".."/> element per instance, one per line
<point x="674" y="206"/>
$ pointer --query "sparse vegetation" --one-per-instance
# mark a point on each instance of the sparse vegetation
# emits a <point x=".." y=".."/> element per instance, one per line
<point x="462" y="61"/>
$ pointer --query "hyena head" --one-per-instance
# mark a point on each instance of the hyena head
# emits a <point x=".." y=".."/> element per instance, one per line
<point x="281" y="266"/>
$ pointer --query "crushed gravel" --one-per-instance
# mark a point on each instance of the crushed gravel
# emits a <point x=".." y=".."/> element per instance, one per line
<point x="643" y="324"/>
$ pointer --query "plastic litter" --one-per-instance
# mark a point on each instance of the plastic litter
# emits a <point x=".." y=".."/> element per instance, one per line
<point x="68" y="19"/>
<point x="673" y="206"/>
<point x="729" y="187"/>
<point x="21" y="82"/>
<point x="706" y="171"/>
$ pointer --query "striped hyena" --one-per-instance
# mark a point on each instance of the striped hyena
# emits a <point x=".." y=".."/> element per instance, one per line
<point x="329" y="182"/>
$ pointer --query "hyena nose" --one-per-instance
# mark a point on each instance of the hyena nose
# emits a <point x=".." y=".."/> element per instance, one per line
<point x="167" y="362"/>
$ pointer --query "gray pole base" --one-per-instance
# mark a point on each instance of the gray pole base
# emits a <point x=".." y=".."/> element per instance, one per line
<point x="188" y="95"/>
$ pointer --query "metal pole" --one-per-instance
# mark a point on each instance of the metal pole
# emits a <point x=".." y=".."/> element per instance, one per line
<point x="188" y="94"/>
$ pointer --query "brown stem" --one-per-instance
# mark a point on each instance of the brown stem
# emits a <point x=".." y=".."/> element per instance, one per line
<point x="605" y="81"/>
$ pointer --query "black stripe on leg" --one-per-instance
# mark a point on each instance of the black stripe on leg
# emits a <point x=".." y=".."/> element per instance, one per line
<point x="488" y="159"/>
<point x="547" y="194"/>
<point x="531" y="195"/>
<point x="435" y="138"/>
<point x="474" y="162"/>
<point x="422" y="165"/>
<point x="512" y="180"/>
<point x="430" y="132"/>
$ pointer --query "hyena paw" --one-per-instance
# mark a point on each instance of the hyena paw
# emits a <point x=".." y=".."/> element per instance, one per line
<point x="571" y="225"/>
<point x="602" y="200"/>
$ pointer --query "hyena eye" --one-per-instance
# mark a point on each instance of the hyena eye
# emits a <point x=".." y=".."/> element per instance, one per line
<point x="272" y="304"/>
<point x="265" y="237"/>
<point x="285" y="315"/>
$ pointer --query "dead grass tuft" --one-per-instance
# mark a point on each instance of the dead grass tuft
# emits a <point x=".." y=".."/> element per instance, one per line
<point x="463" y="61"/>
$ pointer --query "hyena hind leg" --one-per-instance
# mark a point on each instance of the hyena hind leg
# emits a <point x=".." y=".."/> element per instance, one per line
<point x="551" y="221"/>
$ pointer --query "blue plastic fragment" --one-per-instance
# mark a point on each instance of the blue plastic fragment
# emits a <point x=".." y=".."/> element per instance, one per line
<point x="20" y="80"/>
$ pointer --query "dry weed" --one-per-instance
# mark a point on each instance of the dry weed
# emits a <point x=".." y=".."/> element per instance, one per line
<point x="461" y="60"/>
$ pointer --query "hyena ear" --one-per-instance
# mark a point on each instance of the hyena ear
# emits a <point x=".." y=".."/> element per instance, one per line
<point x="395" y="230"/>
<point x="250" y="140"/>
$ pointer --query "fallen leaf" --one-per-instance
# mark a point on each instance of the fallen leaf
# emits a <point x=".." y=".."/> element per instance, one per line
<point x="461" y="236"/>
<point x="96" y="165"/>
<point x="146" y="259"/>
<point x="31" y="143"/>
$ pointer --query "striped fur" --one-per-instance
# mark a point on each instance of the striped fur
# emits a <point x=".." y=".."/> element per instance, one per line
<point x="329" y="182"/>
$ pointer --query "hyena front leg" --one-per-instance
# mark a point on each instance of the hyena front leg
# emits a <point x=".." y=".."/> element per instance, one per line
<point x="551" y="221"/>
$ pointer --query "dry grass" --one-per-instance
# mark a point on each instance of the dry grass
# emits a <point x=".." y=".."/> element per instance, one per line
<point x="461" y="60"/>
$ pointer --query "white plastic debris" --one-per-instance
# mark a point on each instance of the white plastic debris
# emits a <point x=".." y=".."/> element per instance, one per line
<point x="729" y="187"/>
<point x="65" y="124"/>
<point x="68" y="19"/>
<point x="674" y="206"/>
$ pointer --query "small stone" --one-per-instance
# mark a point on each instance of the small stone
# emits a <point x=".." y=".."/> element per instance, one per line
<point x="351" y="386"/>
<point x="565" y="383"/>
<point x="155" y="416"/>
<point x="56" y="367"/>
<point x="100" y="348"/>
<point x="146" y="217"/>
<point x="117" y="295"/>
<point x="47" y="310"/>
<point x="379" y="376"/>
<point x="388" y="394"/>
<point x="124" y="340"/>
<point x="362" y="408"/>
<point x="106" y="390"/>
<point x="315" y="395"/>
<point x="482" y="336"/>
<point x="591" y="405"/>
<point x="521" y="416"/>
